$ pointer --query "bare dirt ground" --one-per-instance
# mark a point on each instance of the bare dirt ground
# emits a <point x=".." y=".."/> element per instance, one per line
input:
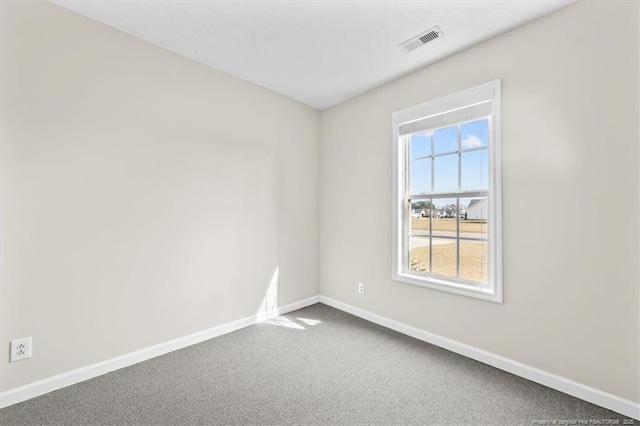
<point x="473" y="260"/>
<point x="422" y="223"/>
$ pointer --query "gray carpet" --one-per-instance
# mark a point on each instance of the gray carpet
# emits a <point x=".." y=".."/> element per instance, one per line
<point x="317" y="365"/>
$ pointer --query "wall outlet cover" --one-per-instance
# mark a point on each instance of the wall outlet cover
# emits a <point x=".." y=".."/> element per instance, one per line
<point x="20" y="349"/>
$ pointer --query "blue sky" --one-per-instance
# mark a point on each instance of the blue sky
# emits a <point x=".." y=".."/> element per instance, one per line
<point x="475" y="164"/>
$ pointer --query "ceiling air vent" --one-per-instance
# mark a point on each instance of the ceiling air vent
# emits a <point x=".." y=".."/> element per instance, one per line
<point x="421" y="39"/>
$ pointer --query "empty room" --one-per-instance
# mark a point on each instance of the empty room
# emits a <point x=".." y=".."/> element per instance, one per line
<point x="319" y="212"/>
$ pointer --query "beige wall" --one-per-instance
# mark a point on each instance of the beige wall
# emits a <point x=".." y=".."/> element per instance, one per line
<point x="144" y="196"/>
<point x="570" y="198"/>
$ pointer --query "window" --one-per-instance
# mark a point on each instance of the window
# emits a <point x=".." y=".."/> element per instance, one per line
<point x="447" y="194"/>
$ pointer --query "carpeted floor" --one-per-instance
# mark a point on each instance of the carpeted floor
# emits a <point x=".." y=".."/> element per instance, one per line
<point x="317" y="365"/>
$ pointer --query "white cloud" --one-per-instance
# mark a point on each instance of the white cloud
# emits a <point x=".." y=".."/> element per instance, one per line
<point x="471" y="141"/>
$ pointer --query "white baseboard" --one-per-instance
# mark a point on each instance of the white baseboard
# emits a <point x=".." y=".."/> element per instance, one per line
<point x="595" y="396"/>
<point x="41" y="387"/>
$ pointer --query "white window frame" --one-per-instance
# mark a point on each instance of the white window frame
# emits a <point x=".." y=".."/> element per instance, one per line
<point x="458" y="108"/>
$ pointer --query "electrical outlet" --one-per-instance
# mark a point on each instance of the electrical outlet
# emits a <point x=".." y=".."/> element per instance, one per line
<point x="20" y="349"/>
<point x="361" y="288"/>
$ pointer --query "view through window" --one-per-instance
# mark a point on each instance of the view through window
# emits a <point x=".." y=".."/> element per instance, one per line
<point x="448" y="232"/>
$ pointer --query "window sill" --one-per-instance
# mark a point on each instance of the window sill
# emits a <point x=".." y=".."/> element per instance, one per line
<point x="489" y="293"/>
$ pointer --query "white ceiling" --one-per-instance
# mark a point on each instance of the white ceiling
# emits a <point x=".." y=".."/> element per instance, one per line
<point x="317" y="52"/>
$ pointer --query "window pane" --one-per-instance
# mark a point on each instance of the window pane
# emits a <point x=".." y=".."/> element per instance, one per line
<point x="445" y="140"/>
<point x="444" y="221"/>
<point x="473" y="261"/>
<point x="475" y="170"/>
<point x="444" y="260"/>
<point x="473" y="217"/>
<point x="474" y="134"/>
<point x="420" y="145"/>
<point x="420" y="176"/>
<point x="419" y="254"/>
<point x="420" y="218"/>
<point x="420" y="229"/>
<point x="445" y="177"/>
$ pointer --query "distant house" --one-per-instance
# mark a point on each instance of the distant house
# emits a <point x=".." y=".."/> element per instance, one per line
<point x="478" y="209"/>
<point x="447" y="212"/>
<point x="421" y="213"/>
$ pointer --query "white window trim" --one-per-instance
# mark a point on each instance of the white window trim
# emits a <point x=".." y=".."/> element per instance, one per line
<point x="486" y="92"/>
